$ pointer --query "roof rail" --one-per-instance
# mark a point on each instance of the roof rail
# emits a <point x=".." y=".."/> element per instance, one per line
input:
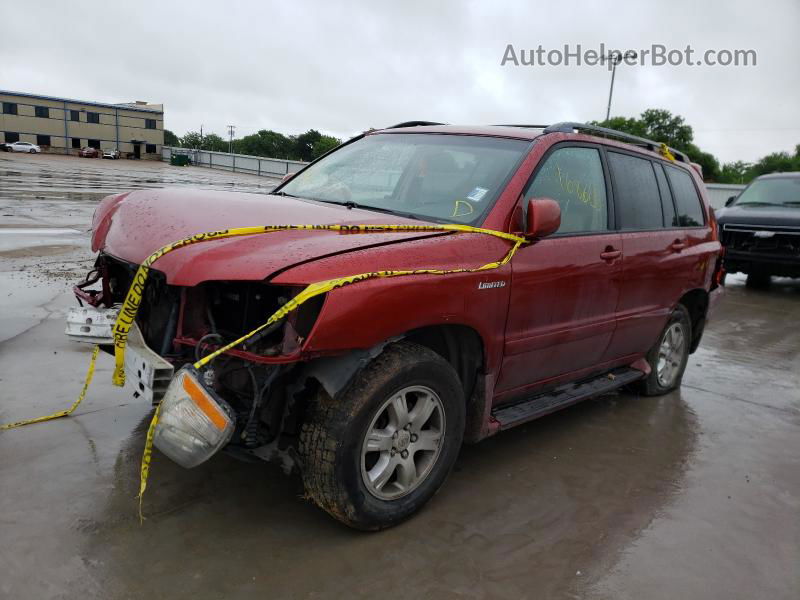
<point x="569" y="127"/>
<point x="525" y="126"/>
<point x="414" y="124"/>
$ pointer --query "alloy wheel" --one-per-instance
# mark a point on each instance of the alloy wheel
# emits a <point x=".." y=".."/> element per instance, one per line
<point x="402" y="442"/>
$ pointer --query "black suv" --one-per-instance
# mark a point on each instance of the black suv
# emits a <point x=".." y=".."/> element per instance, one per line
<point x="761" y="229"/>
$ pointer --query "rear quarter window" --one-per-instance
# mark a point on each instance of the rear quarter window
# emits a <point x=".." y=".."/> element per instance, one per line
<point x="636" y="197"/>
<point x="687" y="201"/>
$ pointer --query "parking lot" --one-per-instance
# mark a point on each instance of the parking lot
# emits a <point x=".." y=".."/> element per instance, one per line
<point x="691" y="495"/>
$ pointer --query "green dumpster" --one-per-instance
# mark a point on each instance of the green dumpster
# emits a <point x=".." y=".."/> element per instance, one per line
<point x="179" y="160"/>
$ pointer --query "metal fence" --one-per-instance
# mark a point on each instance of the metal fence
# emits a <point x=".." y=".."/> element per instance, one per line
<point x="257" y="165"/>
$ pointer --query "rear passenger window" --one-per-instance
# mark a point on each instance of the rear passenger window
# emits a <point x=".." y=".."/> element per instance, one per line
<point x="573" y="177"/>
<point x="670" y="218"/>
<point x="636" y="197"/>
<point x="690" y="211"/>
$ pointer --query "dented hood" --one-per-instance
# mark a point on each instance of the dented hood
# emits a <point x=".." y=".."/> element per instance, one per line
<point x="132" y="226"/>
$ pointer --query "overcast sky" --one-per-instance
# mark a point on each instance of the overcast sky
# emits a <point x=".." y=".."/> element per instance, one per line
<point x="341" y="68"/>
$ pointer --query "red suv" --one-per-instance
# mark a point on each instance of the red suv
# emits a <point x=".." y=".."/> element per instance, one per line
<point x="371" y="388"/>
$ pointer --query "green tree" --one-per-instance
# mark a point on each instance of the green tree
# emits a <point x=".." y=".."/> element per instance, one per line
<point x="190" y="139"/>
<point x="170" y="139"/>
<point x="304" y="145"/>
<point x="210" y="141"/>
<point x="735" y="172"/>
<point x="662" y="126"/>
<point x="265" y="143"/>
<point x="772" y="163"/>
<point x="214" y="143"/>
<point x="325" y="144"/>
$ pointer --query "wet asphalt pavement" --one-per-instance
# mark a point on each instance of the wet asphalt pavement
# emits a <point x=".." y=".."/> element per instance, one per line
<point x="691" y="495"/>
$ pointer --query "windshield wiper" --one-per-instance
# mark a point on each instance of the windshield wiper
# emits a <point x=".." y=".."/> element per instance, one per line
<point x="351" y="205"/>
<point x="284" y="194"/>
<point x="793" y="202"/>
<point x="758" y="203"/>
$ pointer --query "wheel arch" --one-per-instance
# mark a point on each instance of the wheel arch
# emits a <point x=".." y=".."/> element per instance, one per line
<point x="696" y="302"/>
<point x="460" y="345"/>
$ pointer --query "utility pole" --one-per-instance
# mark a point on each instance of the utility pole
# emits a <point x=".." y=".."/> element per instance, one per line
<point x="615" y="58"/>
<point x="230" y="139"/>
<point x="201" y="136"/>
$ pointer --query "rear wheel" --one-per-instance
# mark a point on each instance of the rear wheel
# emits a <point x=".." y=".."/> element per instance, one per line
<point x="668" y="357"/>
<point x="379" y="452"/>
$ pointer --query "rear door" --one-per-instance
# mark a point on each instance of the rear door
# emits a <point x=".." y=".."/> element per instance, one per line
<point x="565" y="287"/>
<point x="654" y="244"/>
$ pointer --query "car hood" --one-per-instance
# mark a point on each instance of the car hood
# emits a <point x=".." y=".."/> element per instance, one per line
<point x="779" y="216"/>
<point x="131" y="226"/>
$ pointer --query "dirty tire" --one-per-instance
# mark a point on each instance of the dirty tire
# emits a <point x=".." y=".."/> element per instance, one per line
<point x="651" y="386"/>
<point x="334" y="430"/>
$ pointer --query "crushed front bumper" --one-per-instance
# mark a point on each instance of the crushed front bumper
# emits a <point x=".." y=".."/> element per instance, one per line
<point x="91" y="325"/>
<point x="146" y="373"/>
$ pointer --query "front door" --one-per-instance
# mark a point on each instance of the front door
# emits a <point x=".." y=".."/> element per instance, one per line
<point x="137" y="151"/>
<point x="564" y="288"/>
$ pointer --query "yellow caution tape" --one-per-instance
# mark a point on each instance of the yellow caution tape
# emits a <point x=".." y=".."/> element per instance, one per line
<point x="133" y="299"/>
<point x="63" y="413"/>
<point x="666" y="153"/>
<point x="321" y="287"/>
<point x="127" y="314"/>
<point x="147" y="454"/>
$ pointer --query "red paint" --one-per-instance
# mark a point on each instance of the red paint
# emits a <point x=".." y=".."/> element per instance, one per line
<point x="568" y="306"/>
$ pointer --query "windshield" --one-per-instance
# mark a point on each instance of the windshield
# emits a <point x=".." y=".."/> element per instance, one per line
<point x="446" y="178"/>
<point x="780" y="191"/>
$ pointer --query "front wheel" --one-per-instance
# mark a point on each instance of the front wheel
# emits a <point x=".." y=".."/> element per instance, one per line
<point x="381" y="450"/>
<point x="669" y="356"/>
<point x="32" y="151"/>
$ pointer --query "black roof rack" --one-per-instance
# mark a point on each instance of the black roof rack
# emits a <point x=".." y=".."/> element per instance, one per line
<point x="516" y="125"/>
<point x="568" y="127"/>
<point x="414" y="124"/>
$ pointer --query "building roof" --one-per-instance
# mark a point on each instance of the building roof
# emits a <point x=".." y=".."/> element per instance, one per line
<point x="123" y="105"/>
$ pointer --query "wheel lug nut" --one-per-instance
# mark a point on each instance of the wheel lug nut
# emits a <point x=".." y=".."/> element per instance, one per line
<point x="413" y="437"/>
<point x="407" y="427"/>
<point x="392" y="452"/>
<point x="404" y="454"/>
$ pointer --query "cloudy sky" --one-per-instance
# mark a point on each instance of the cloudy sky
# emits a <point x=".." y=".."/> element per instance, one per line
<point x="342" y="67"/>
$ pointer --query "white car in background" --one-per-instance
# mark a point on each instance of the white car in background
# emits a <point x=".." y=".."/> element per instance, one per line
<point x="22" y="147"/>
<point x="111" y="153"/>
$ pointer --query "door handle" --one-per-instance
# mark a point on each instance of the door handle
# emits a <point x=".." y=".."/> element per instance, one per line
<point x="678" y="245"/>
<point x="610" y="253"/>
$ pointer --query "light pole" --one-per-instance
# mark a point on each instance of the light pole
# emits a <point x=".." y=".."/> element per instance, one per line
<point x="615" y="58"/>
<point x="230" y="139"/>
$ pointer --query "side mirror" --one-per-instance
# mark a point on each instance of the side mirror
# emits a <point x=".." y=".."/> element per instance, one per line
<point x="730" y="200"/>
<point x="544" y="217"/>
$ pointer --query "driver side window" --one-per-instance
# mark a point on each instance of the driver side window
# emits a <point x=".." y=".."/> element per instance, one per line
<point x="573" y="177"/>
